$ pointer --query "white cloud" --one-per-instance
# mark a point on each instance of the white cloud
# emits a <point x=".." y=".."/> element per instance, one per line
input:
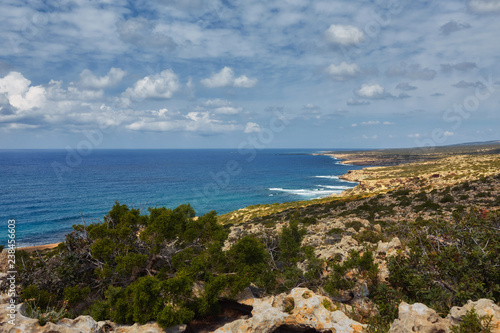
<point x="56" y="92"/>
<point x="90" y="80"/>
<point x="217" y="102"/>
<point x="354" y="125"/>
<point x="252" y="128"/>
<point x="343" y="71"/>
<point x="19" y="92"/>
<point x="371" y="122"/>
<point x="371" y="91"/>
<point x="389" y="123"/>
<point x="484" y="6"/>
<point x="414" y="136"/>
<point x="372" y="137"/>
<point x="162" y="85"/>
<point x="229" y="110"/>
<point x="225" y="78"/>
<point x="344" y="35"/>
<point x="244" y="82"/>
<point x="448" y="133"/>
<point x="200" y="122"/>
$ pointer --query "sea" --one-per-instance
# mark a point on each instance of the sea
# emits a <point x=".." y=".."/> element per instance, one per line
<point x="46" y="192"/>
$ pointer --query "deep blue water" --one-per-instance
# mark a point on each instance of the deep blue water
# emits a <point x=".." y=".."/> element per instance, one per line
<point x="47" y="191"/>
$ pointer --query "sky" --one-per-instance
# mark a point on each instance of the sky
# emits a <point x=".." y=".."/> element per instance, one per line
<point x="95" y="74"/>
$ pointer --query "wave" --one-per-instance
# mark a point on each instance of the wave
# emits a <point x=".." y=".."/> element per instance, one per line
<point x="336" y="178"/>
<point x="336" y="187"/>
<point x="314" y="193"/>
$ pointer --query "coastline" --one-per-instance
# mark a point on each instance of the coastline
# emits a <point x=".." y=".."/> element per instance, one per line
<point x="39" y="247"/>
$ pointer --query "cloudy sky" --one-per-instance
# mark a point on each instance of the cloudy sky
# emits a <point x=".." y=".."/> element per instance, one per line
<point x="228" y="73"/>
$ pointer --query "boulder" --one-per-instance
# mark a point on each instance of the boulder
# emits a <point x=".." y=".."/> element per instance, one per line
<point x="483" y="307"/>
<point x="301" y="309"/>
<point x="418" y="318"/>
<point x="81" y="324"/>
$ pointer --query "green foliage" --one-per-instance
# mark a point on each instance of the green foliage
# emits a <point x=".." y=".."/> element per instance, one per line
<point x="472" y="322"/>
<point x="289" y="242"/>
<point x="456" y="265"/>
<point x="42" y="305"/>
<point x="369" y="236"/>
<point x="328" y="305"/>
<point x="289" y="304"/>
<point x="356" y="225"/>
<point x="76" y="294"/>
<point x="341" y="280"/>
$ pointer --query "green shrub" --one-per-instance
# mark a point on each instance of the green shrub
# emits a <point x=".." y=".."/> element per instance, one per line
<point x="356" y="225"/>
<point x="472" y="322"/>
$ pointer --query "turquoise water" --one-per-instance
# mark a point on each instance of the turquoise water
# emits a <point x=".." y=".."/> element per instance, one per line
<point x="47" y="191"/>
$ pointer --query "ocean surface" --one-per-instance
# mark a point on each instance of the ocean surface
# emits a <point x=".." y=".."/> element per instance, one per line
<point x="47" y="191"/>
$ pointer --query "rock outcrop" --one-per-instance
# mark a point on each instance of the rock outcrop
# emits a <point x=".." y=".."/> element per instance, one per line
<point x="81" y="324"/>
<point x="483" y="307"/>
<point x="419" y="318"/>
<point x="301" y="309"/>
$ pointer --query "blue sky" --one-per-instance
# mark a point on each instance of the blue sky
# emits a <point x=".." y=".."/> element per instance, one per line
<point x="226" y="74"/>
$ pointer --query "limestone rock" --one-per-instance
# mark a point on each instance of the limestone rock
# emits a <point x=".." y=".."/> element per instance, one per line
<point x="418" y="318"/>
<point x="483" y="307"/>
<point x="299" y="309"/>
<point x="81" y="324"/>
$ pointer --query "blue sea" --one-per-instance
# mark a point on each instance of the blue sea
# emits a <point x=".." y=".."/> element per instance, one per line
<point x="47" y="191"/>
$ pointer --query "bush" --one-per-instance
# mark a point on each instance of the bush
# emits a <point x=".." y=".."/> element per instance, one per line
<point x="471" y="322"/>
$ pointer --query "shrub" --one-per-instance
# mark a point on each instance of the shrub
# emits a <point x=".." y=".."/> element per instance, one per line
<point x="472" y="322"/>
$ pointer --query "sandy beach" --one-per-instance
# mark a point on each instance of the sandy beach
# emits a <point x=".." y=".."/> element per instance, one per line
<point x="38" y="247"/>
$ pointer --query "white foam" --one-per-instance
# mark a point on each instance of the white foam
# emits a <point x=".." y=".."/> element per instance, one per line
<point x="336" y="178"/>
<point x="335" y="187"/>
<point x="314" y="193"/>
<point x="327" y="177"/>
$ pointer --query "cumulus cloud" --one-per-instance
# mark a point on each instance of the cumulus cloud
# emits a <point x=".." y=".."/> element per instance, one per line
<point x="412" y="72"/>
<point x="372" y="91"/>
<point x="90" y="80"/>
<point x="344" y="35"/>
<point x="162" y="85"/>
<point x="56" y="92"/>
<point x="405" y="86"/>
<point x="252" y="128"/>
<point x="19" y="93"/>
<point x="354" y="102"/>
<point x="484" y="6"/>
<point x="448" y="133"/>
<point x="343" y="71"/>
<point x="225" y="78"/>
<point x="453" y="26"/>
<point x="200" y="122"/>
